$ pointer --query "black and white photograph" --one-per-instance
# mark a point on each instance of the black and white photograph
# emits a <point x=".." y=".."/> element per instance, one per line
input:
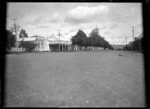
<point x="63" y="54"/>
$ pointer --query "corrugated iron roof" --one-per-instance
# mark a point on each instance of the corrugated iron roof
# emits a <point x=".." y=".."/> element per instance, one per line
<point x="36" y="37"/>
<point x="28" y="39"/>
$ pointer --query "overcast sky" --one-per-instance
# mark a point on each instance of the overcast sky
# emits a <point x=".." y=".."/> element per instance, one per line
<point x="114" y="20"/>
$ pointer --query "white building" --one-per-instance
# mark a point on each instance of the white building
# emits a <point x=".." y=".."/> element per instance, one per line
<point x="42" y="42"/>
<point x="46" y="43"/>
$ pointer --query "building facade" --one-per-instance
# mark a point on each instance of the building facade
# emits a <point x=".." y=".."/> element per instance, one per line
<point x="46" y="43"/>
<point x="42" y="44"/>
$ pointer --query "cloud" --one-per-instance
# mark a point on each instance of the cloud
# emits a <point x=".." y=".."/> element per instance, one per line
<point x="134" y="10"/>
<point x="116" y="37"/>
<point x="36" y="20"/>
<point x="42" y="26"/>
<point x="119" y="37"/>
<point x="56" y="17"/>
<point x="73" y="29"/>
<point x="102" y="27"/>
<point x="122" y="35"/>
<point x="132" y="15"/>
<point x="114" y="26"/>
<point x="66" y="34"/>
<point x="113" y="36"/>
<point x="136" y="33"/>
<point x="139" y="25"/>
<point x="107" y="33"/>
<point x="83" y="14"/>
<point x="101" y="14"/>
<point x="116" y="17"/>
<point x="63" y="24"/>
<point x="44" y="22"/>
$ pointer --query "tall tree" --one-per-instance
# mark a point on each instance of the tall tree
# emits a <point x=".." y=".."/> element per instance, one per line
<point x="95" y="38"/>
<point x="97" y="41"/>
<point x="79" y="39"/>
<point x="11" y="40"/>
<point x="23" y="34"/>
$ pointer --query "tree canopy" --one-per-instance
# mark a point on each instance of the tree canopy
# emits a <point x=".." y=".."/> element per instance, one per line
<point x="79" y="39"/>
<point x="11" y="40"/>
<point x="29" y="46"/>
<point x="134" y="45"/>
<point x="94" y="39"/>
<point x="23" y="33"/>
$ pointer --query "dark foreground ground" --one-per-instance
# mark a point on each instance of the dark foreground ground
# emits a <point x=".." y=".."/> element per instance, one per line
<point x="75" y="79"/>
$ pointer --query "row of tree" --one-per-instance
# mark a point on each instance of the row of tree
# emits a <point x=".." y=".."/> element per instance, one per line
<point x="80" y="39"/>
<point x="135" y="45"/>
<point x="94" y="40"/>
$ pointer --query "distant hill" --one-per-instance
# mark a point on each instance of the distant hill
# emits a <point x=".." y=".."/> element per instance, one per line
<point x="115" y="46"/>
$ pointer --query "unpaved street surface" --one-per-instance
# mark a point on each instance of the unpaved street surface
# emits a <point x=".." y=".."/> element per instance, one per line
<point x="75" y="79"/>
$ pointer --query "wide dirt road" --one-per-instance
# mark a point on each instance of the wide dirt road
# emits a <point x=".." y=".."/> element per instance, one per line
<point x="84" y="79"/>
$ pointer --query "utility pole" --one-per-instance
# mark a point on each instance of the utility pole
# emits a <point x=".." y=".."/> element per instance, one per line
<point x="59" y="39"/>
<point x="123" y="42"/>
<point x="126" y="40"/>
<point x="133" y="33"/>
<point x="15" y="30"/>
<point x="132" y="36"/>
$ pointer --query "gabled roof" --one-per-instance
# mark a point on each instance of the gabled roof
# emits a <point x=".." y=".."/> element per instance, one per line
<point x="28" y="39"/>
<point x="41" y="38"/>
